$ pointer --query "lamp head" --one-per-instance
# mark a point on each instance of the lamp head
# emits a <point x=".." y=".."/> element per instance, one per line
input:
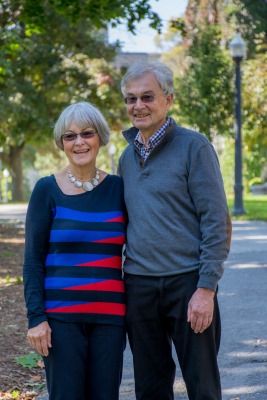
<point x="238" y="47"/>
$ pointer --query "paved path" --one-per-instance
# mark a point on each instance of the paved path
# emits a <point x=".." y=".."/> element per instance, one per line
<point x="13" y="212"/>
<point x="242" y="297"/>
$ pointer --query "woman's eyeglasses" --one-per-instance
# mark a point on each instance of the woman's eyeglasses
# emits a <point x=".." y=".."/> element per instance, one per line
<point x="145" y="98"/>
<point x="71" y="136"/>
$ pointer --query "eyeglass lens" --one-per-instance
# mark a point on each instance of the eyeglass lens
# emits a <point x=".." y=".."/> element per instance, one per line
<point x="145" y="98"/>
<point x="70" y="136"/>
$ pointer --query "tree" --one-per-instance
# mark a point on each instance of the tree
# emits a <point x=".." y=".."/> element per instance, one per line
<point x="251" y="18"/>
<point x="204" y="92"/>
<point x="255" y="114"/>
<point x="48" y="53"/>
<point x="203" y="85"/>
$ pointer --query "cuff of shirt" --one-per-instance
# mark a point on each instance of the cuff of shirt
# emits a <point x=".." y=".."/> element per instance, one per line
<point x="36" y="320"/>
<point x="208" y="282"/>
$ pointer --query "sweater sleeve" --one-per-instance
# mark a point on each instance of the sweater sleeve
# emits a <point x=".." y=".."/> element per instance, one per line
<point x="207" y="192"/>
<point x="37" y="229"/>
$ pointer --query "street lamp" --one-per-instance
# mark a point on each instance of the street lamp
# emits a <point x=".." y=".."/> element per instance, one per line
<point x="238" y="51"/>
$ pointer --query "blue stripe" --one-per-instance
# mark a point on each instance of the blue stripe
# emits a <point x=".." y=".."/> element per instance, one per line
<point x="68" y="213"/>
<point x="60" y="303"/>
<point x="81" y="236"/>
<point x="69" y="260"/>
<point x="61" y="283"/>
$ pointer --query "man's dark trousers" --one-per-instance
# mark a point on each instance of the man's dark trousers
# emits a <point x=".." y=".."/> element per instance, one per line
<point x="156" y="317"/>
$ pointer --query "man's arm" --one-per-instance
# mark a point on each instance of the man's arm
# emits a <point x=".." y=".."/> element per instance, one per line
<point x="206" y="188"/>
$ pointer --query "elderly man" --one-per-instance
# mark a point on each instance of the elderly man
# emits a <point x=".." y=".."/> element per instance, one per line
<point x="177" y="241"/>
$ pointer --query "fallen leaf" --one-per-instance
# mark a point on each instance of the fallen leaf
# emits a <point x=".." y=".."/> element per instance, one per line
<point x="40" y="364"/>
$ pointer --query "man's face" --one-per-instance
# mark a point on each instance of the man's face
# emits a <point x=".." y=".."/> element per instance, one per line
<point x="147" y="116"/>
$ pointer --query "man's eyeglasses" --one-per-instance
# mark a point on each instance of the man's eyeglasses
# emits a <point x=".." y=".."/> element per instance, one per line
<point x="145" y="98"/>
<point x="71" y="136"/>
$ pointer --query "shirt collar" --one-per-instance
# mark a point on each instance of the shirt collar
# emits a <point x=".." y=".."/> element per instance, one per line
<point x="130" y="133"/>
<point x="155" y="137"/>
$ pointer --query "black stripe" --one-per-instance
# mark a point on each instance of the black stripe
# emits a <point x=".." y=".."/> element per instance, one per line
<point x="88" y="318"/>
<point x="88" y="226"/>
<point x="72" y="295"/>
<point x="90" y="248"/>
<point x="84" y="272"/>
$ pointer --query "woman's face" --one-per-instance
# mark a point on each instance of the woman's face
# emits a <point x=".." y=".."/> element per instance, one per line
<point x="81" y="146"/>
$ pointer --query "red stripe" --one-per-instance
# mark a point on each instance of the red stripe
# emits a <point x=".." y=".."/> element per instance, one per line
<point x="112" y="262"/>
<point x="116" y="219"/>
<point x="92" y="308"/>
<point x="113" y="240"/>
<point x="107" y="286"/>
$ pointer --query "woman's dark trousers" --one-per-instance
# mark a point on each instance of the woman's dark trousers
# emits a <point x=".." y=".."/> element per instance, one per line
<point x="85" y="362"/>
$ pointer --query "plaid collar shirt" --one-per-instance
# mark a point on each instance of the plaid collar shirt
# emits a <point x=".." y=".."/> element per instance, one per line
<point x="145" y="150"/>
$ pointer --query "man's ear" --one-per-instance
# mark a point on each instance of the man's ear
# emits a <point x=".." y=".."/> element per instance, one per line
<point x="169" y="98"/>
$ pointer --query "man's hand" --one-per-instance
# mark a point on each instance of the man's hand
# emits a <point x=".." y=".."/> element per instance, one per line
<point x="39" y="338"/>
<point x="200" y="309"/>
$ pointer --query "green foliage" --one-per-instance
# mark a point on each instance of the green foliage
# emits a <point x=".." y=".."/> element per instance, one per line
<point x="96" y="12"/>
<point x="18" y="280"/>
<point x="255" y="181"/>
<point x="251" y="18"/>
<point x="255" y="113"/>
<point x="178" y="24"/>
<point x="11" y="280"/>
<point x="42" y="71"/>
<point x="257" y="12"/>
<point x="53" y="53"/>
<point x="15" y="394"/>
<point x="29" y="360"/>
<point x="226" y="158"/>
<point x="255" y="207"/>
<point x="204" y="92"/>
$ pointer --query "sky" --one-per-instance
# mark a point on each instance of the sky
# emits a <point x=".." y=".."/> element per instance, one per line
<point x="143" y="40"/>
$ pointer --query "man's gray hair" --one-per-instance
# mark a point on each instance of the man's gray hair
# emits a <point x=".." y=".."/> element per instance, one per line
<point x="84" y="115"/>
<point x="162" y="73"/>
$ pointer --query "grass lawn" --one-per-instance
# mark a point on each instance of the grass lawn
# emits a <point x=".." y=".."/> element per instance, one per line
<point x="255" y="207"/>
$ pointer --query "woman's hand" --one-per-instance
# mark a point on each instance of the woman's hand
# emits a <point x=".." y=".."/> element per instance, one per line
<point x="39" y="338"/>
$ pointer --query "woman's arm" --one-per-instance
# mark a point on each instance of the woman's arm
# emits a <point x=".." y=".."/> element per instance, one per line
<point x="38" y="222"/>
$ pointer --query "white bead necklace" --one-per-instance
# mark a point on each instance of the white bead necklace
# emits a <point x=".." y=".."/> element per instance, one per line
<point x="85" y="185"/>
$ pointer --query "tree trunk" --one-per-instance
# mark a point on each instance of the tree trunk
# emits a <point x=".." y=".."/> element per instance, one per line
<point x="15" y="164"/>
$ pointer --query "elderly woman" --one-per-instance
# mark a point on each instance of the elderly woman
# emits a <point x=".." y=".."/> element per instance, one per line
<point x="75" y="230"/>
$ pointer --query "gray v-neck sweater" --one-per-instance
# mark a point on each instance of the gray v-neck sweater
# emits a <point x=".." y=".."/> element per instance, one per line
<point x="177" y="210"/>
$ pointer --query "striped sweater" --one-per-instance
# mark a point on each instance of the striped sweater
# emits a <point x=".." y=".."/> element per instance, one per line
<point x="73" y="254"/>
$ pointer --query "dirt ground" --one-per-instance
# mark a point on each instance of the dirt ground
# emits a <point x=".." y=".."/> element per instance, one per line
<point x="16" y="381"/>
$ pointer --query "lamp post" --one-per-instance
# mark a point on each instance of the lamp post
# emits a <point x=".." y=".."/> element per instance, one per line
<point x="238" y="51"/>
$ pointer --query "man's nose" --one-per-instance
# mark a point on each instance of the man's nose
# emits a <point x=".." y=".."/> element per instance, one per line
<point x="139" y="102"/>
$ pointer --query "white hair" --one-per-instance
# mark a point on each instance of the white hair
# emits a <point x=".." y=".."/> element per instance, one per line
<point x="162" y="73"/>
<point x="82" y="114"/>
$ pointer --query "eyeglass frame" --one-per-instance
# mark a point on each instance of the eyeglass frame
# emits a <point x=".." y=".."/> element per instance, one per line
<point x="145" y="98"/>
<point x="75" y="135"/>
